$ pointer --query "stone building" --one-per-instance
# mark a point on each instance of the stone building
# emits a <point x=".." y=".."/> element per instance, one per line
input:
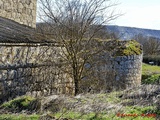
<point x="117" y="66"/>
<point x="22" y="67"/>
<point x="21" y="11"/>
<point x="28" y="61"/>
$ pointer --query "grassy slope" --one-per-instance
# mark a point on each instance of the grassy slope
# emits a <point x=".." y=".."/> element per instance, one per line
<point x="18" y="117"/>
<point x="150" y="74"/>
<point x="150" y="69"/>
<point x="109" y="102"/>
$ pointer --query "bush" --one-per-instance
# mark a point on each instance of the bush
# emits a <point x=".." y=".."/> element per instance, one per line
<point x="22" y="103"/>
<point x="152" y="79"/>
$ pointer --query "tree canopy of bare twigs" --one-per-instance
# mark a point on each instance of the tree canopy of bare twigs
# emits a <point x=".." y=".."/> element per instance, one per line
<point x="74" y="24"/>
<point x="151" y="45"/>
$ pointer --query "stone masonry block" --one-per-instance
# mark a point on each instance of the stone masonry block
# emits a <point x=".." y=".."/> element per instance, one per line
<point x="8" y="9"/>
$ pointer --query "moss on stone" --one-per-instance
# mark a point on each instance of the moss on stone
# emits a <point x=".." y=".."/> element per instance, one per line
<point x="117" y="47"/>
<point x="131" y="47"/>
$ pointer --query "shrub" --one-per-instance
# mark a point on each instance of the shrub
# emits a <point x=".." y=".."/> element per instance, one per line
<point x="22" y="103"/>
<point x="152" y="79"/>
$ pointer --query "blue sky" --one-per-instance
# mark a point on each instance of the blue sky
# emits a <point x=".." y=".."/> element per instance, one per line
<point x="139" y="13"/>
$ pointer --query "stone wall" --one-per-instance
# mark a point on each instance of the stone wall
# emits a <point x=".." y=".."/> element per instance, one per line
<point x="40" y="70"/>
<point x="114" y="73"/>
<point x="128" y="70"/>
<point x="31" y="70"/>
<point x="111" y="71"/>
<point x="21" y="11"/>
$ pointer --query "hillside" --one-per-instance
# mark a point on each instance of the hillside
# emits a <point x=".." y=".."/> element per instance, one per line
<point x="139" y="103"/>
<point x="126" y="33"/>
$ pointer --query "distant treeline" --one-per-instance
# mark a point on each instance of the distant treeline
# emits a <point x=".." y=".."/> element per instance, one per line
<point x="152" y="59"/>
<point x="151" y="45"/>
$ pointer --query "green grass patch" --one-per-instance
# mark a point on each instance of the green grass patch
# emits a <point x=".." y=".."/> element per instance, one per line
<point x="153" y="79"/>
<point x="113" y="97"/>
<point x="82" y="116"/>
<point x="150" y="69"/>
<point x="140" y="112"/>
<point x="21" y="103"/>
<point x="18" y="117"/>
<point x="150" y="74"/>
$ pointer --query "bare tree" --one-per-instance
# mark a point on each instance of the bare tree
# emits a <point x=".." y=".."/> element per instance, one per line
<point x="151" y="45"/>
<point x="74" y="24"/>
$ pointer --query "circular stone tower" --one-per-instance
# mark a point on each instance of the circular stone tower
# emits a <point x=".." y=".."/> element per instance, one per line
<point x="118" y="66"/>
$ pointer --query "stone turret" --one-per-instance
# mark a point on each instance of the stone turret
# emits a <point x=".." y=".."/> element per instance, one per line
<point x="21" y="11"/>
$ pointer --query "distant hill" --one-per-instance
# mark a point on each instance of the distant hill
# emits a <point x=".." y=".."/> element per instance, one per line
<point x="126" y="33"/>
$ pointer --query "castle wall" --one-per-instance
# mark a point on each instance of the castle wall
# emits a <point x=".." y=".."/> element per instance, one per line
<point x="128" y="70"/>
<point x="113" y="68"/>
<point x="21" y="11"/>
<point x="39" y="70"/>
<point x="113" y="73"/>
<point x="31" y="70"/>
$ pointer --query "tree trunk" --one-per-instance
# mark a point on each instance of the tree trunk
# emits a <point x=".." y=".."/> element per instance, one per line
<point x="76" y="80"/>
<point x="76" y="86"/>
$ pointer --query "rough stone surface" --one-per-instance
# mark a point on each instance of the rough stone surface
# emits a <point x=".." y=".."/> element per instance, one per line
<point x="36" y="71"/>
<point x="110" y="72"/>
<point x="32" y="71"/>
<point x="21" y="11"/>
